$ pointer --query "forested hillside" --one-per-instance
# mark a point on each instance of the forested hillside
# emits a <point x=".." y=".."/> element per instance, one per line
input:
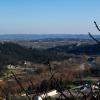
<point x="12" y="53"/>
<point x="82" y="49"/>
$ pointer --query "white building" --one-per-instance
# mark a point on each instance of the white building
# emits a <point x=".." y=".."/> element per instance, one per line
<point x="37" y="98"/>
<point x="11" y="67"/>
<point x="52" y="93"/>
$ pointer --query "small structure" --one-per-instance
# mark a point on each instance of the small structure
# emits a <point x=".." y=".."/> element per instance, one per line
<point x="95" y="87"/>
<point x="27" y="63"/>
<point x="11" y="67"/>
<point x="52" y="93"/>
<point x="37" y="98"/>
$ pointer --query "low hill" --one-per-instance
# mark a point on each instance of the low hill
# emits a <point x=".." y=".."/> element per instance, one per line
<point x="79" y="50"/>
<point x="11" y="53"/>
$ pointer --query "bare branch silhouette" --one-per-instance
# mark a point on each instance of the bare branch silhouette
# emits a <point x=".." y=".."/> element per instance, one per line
<point x="96" y="26"/>
<point x="97" y="41"/>
<point x="58" y="86"/>
<point x="18" y="82"/>
<point x="91" y="36"/>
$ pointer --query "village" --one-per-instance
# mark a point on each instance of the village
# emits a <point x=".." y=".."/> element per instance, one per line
<point x="24" y="84"/>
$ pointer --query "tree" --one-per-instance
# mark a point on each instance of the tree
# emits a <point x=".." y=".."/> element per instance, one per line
<point x="91" y="36"/>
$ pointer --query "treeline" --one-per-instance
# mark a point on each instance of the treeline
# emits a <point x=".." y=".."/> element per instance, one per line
<point x="11" y="53"/>
<point x="78" y="50"/>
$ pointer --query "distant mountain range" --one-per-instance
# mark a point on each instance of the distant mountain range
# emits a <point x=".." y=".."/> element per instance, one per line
<point x="44" y="36"/>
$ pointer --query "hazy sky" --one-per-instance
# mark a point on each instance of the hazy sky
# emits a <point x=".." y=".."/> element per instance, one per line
<point x="49" y="16"/>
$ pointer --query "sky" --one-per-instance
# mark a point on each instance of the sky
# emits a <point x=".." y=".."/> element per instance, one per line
<point x="49" y="16"/>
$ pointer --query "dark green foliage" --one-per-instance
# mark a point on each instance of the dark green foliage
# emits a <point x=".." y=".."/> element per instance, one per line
<point x="44" y="86"/>
<point x="39" y="71"/>
<point x="79" y="50"/>
<point x="2" y="69"/>
<point x="11" y="53"/>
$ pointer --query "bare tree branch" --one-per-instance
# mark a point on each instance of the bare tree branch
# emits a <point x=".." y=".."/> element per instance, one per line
<point x="91" y="36"/>
<point x="97" y="41"/>
<point x="20" y="85"/>
<point x="96" y="26"/>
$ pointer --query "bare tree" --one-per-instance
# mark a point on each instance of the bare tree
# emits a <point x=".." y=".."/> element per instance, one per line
<point x="19" y="83"/>
<point x="91" y="36"/>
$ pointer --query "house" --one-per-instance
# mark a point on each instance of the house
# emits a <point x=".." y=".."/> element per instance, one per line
<point x="37" y="98"/>
<point x="11" y="67"/>
<point x="52" y="93"/>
